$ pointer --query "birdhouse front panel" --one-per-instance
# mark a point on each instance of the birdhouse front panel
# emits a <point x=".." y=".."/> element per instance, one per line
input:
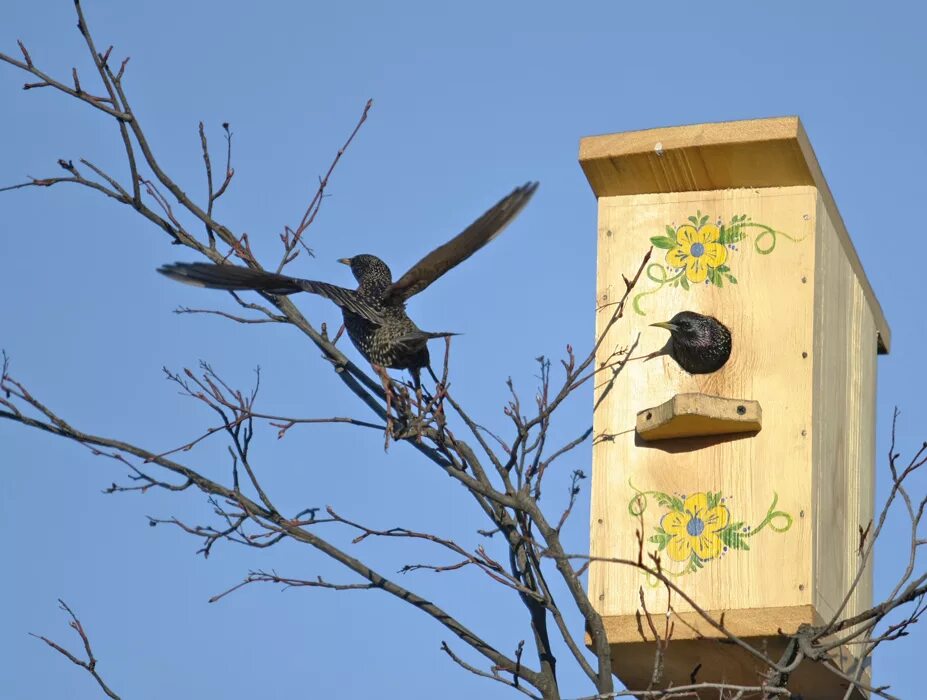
<point x="728" y="515"/>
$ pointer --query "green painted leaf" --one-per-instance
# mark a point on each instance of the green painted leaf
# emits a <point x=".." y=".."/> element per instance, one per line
<point x="735" y="235"/>
<point x="670" y="232"/>
<point x="693" y="220"/>
<point x="731" y="279"/>
<point x="733" y="537"/>
<point x="684" y="282"/>
<point x="671" y="502"/>
<point x="723" y="268"/>
<point x="664" y="242"/>
<point x="661" y="539"/>
<point x="713" y="499"/>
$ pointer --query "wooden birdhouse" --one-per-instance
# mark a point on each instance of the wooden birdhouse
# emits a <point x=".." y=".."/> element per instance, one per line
<point x="751" y="483"/>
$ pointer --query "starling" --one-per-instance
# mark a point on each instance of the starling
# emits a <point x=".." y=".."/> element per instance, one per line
<point x="374" y="313"/>
<point x="699" y="344"/>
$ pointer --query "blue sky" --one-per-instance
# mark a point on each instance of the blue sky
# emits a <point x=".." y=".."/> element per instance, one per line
<point x="470" y="100"/>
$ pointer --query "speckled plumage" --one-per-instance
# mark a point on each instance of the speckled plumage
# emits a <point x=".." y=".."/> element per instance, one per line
<point x="700" y="344"/>
<point x="374" y="314"/>
<point x="394" y="342"/>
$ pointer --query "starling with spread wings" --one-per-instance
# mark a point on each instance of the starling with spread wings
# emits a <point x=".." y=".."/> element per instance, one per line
<point x="374" y="313"/>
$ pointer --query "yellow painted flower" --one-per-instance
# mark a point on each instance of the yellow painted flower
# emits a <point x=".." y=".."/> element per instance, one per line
<point x="697" y="250"/>
<point x="695" y="529"/>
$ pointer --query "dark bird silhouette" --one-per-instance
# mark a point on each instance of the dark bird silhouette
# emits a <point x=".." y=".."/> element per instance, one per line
<point x="374" y="313"/>
<point x="699" y="344"/>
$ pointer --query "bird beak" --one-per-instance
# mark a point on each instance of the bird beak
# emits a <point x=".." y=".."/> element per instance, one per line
<point x="667" y="325"/>
<point x="345" y="261"/>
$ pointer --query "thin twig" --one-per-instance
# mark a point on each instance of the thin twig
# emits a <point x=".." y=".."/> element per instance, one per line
<point x="90" y="663"/>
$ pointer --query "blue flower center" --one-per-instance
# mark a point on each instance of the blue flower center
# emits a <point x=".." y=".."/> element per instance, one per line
<point x="697" y="250"/>
<point x="695" y="526"/>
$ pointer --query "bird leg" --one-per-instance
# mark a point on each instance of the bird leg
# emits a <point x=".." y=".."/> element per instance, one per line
<point x="417" y="385"/>
<point x="437" y="407"/>
<point x="388" y="390"/>
<point x="435" y="403"/>
<point x="338" y="334"/>
<point x="387" y="387"/>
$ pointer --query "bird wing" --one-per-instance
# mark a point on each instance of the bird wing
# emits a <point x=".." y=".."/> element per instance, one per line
<point x="461" y="247"/>
<point x="234" y="277"/>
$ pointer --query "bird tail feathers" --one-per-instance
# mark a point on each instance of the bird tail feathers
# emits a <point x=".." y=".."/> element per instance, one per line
<point x="441" y="334"/>
<point x="230" y="277"/>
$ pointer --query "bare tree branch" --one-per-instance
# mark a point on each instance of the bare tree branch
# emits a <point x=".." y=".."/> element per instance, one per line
<point x="90" y="663"/>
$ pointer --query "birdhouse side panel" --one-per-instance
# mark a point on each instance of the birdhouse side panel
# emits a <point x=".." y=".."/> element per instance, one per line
<point x="726" y="515"/>
<point x="845" y="354"/>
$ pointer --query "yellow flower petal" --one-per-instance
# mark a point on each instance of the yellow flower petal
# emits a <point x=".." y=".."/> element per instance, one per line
<point x="710" y="233"/>
<point x="677" y="257"/>
<point x="695" y="504"/>
<point x="686" y="235"/>
<point x="715" y="254"/>
<point x="707" y="546"/>
<point x="679" y="548"/>
<point x="675" y="523"/>
<point x="715" y="519"/>
<point x="696" y="270"/>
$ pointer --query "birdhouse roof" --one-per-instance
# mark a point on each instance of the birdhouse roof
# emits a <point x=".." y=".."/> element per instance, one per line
<point x="724" y="155"/>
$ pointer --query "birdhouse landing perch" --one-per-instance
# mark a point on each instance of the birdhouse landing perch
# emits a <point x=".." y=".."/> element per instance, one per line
<point x="752" y="481"/>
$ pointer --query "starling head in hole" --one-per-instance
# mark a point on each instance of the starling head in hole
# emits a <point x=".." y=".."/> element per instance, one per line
<point x="700" y="344"/>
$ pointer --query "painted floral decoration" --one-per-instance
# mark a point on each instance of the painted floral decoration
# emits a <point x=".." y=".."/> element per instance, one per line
<point x="698" y="528"/>
<point x="694" y="529"/>
<point x="700" y="253"/>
